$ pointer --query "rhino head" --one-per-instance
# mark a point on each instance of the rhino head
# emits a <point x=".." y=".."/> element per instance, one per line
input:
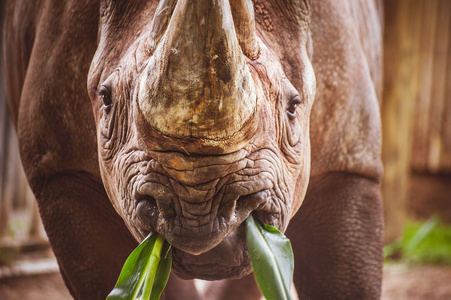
<point x="202" y="118"/>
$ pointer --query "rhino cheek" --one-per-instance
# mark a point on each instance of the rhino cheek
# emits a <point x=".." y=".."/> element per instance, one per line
<point x="108" y="183"/>
<point x="300" y="187"/>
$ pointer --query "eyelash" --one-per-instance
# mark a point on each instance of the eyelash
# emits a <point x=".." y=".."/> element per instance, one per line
<point x="105" y="96"/>
<point x="291" y="110"/>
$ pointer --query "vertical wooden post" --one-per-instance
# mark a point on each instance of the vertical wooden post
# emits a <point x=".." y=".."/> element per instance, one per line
<point x="445" y="130"/>
<point x="3" y="133"/>
<point x="430" y="103"/>
<point x="440" y="59"/>
<point x="403" y="21"/>
<point x="3" y="130"/>
<point x="431" y="138"/>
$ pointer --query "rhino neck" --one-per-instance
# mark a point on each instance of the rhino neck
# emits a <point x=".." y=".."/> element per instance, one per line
<point x="197" y="84"/>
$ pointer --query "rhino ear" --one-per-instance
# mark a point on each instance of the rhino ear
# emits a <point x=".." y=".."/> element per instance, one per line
<point x="244" y="20"/>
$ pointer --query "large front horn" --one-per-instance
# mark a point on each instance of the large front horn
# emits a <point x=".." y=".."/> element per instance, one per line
<point x="197" y="84"/>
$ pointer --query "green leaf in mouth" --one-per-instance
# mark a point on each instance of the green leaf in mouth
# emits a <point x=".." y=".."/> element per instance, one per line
<point x="271" y="259"/>
<point x="145" y="272"/>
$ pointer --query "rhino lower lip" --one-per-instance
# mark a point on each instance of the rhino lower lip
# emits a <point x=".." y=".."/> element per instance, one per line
<point x="227" y="260"/>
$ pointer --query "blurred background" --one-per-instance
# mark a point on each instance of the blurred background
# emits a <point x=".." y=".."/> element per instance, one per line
<point x="416" y="117"/>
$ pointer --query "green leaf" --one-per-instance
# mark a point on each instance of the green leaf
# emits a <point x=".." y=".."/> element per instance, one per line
<point x="142" y="269"/>
<point x="163" y="271"/>
<point x="152" y="267"/>
<point x="133" y="272"/>
<point x="271" y="259"/>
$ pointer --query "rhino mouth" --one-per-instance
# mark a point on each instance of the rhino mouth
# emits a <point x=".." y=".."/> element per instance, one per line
<point x="204" y="220"/>
<point x="219" y="253"/>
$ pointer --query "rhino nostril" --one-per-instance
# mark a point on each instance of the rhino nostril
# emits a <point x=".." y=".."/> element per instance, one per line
<point x="147" y="211"/>
<point x="252" y="201"/>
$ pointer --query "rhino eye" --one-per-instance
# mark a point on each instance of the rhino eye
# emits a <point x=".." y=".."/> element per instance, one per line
<point x="105" y="95"/>
<point x="292" y="107"/>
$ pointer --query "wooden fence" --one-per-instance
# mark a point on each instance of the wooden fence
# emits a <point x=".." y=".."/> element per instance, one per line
<point x="20" y="224"/>
<point x="416" y="109"/>
<point x="19" y="217"/>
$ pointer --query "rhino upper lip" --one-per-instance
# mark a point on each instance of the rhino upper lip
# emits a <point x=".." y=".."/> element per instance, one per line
<point x="199" y="239"/>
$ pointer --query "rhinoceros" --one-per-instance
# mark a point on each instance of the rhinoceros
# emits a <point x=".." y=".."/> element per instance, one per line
<point x="184" y="117"/>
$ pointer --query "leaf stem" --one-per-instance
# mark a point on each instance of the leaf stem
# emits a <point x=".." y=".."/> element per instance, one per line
<point x="151" y="267"/>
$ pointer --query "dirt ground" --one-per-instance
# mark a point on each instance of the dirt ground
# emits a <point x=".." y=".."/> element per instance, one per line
<point x="416" y="283"/>
<point x="400" y="282"/>
<point x="38" y="287"/>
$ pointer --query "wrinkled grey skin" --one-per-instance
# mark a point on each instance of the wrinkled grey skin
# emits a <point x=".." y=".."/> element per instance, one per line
<point x="166" y="152"/>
